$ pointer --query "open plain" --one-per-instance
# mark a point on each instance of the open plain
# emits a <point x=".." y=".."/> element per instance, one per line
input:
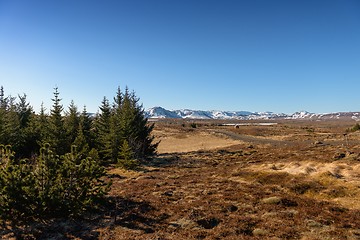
<point x="287" y="180"/>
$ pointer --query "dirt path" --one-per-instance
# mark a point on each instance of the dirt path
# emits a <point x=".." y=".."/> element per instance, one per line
<point x="250" y="139"/>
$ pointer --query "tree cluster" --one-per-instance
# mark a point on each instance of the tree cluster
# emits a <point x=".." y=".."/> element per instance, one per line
<point x="50" y="164"/>
<point x="49" y="185"/>
<point x="117" y="126"/>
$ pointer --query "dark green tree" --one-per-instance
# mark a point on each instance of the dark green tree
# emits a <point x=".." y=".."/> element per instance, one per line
<point x="102" y="124"/>
<point x="12" y="130"/>
<point x="49" y="186"/>
<point x="116" y="129"/>
<point x="135" y="127"/>
<point x="81" y="142"/>
<point x="27" y="142"/>
<point x="41" y="126"/>
<point x="16" y="194"/>
<point x="127" y="122"/>
<point x="58" y="138"/>
<point x="87" y="127"/>
<point x="72" y="121"/>
<point x="3" y="100"/>
<point x="126" y="158"/>
<point x="15" y="124"/>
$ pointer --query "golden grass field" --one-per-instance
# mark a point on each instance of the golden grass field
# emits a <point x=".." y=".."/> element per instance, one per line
<point x="292" y="180"/>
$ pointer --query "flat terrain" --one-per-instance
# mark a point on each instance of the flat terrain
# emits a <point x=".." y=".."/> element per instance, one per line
<point x="292" y="180"/>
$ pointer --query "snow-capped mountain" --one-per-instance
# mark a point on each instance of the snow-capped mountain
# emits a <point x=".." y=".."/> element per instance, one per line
<point x="159" y="112"/>
<point x="302" y="115"/>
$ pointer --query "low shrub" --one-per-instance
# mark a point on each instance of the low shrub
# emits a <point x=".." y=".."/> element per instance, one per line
<point x="49" y="185"/>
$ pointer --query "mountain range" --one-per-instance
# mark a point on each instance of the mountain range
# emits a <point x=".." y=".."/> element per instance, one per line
<point x="159" y="112"/>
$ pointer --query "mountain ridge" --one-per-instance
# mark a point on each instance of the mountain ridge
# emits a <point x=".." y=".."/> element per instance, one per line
<point x="162" y="113"/>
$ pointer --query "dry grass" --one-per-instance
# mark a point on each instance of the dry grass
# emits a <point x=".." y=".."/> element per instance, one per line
<point x="294" y="180"/>
<point x="179" y="141"/>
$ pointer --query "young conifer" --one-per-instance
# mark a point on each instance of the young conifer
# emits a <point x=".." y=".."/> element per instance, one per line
<point x="72" y="120"/>
<point x="102" y="130"/>
<point x="58" y="138"/>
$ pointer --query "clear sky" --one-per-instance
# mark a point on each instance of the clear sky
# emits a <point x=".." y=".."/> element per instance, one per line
<point x="280" y="56"/>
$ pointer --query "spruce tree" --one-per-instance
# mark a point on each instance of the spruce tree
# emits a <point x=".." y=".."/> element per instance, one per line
<point x="3" y="100"/>
<point x="24" y="111"/>
<point x="84" y="139"/>
<point x="72" y="121"/>
<point x="128" y="123"/>
<point x="126" y="158"/>
<point x="135" y="127"/>
<point x="58" y="139"/>
<point x="42" y="126"/>
<point x="87" y="127"/>
<point x="15" y="124"/>
<point x="116" y="130"/>
<point x="81" y="142"/>
<point x="27" y="142"/>
<point x="3" y="109"/>
<point x="12" y="128"/>
<point x="102" y="130"/>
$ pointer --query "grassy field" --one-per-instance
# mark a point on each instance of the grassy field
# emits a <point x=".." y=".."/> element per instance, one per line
<point x="292" y="180"/>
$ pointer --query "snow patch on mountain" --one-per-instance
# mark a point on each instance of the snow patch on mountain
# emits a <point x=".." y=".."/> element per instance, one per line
<point x="159" y="112"/>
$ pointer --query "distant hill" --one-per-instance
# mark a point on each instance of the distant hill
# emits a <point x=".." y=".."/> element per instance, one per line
<point x="159" y="112"/>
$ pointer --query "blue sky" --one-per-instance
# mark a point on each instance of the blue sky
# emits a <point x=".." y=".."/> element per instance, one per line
<point x="281" y="56"/>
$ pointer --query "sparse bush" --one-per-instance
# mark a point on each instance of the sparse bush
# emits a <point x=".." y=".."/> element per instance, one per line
<point x="355" y="128"/>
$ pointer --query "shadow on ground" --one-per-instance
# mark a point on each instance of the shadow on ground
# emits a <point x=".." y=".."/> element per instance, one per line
<point x="117" y="212"/>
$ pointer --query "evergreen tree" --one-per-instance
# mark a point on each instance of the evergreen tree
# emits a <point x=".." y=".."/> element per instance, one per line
<point x="49" y="186"/>
<point x="2" y="126"/>
<point x="128" y="123"/>
<point x="102" y="130"/>
<point x="126" y="157"/>
<point x="26" y="140"/>
<point x="72" y="122"/>
<point x="135" y="127"/>
<point x="12" y="134"/>
<point x="24" y="111"/>
<point x="57" y="129"/>
<point x="84" y="139"/>
<point x="40" y="129"/>
<point x="42" y="126"/>
<point x="15" y="129"/>
<point x="81" y="142"/>
<point x="15" y="178"/>
<point x="87" y="127"/>
<point x="122" y="121"/>
<point x="3" y="100"/>
<point x="116" y="129"/>
<point x="2" y="115"/>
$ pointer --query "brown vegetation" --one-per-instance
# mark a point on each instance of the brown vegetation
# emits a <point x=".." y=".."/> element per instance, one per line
<point x="293" y="180"/>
